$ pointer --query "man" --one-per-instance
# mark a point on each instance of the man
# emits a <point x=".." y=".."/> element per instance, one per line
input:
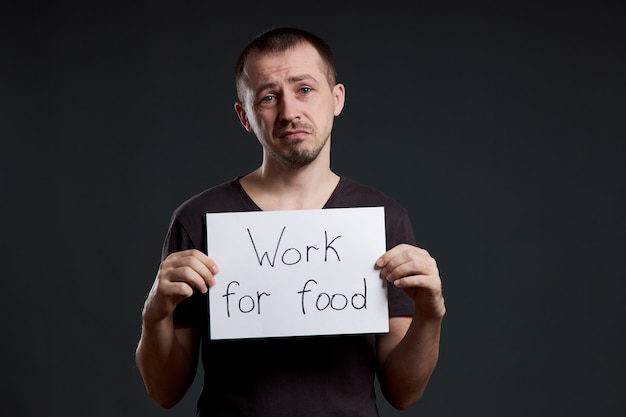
<point x="288" y="97"/>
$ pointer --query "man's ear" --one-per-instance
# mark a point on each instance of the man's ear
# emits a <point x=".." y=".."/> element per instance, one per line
<point x="339" y="92"/>
<point x="243" y="116"/>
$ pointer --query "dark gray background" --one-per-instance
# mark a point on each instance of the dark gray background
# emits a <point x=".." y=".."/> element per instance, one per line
<point x="499" y="127"/>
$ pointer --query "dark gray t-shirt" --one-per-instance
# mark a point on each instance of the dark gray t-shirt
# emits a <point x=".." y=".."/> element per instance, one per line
<point x="320" y="376"/>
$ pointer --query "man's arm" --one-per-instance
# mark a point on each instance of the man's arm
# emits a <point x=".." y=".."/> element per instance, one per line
<point x="407" y="355"/>
<point x="167" y="356"/>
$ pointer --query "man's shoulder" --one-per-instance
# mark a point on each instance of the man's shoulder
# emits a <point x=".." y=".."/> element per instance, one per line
<point x="227" y="196"/>
<point x="352" y="193"/>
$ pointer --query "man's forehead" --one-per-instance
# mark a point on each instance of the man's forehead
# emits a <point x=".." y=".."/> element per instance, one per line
<point x="302" y="59"/>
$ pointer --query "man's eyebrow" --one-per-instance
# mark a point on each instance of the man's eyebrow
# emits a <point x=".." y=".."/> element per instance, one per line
<point x="291" y="80"/>
<point x="302" y="77"/>
<point x="266" y="86"/>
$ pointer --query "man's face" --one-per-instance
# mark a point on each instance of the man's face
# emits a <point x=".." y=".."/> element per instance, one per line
<point x="289" y="104"/>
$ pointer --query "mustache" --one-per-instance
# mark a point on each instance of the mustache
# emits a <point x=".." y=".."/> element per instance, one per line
<point x="294" y="126"/>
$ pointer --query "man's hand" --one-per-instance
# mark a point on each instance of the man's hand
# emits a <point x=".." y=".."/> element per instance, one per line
<point x="415" y="271"/>
<point x="176" y="279"/>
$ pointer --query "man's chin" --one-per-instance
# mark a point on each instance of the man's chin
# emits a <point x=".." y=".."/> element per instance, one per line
<point x="298" y="160"/>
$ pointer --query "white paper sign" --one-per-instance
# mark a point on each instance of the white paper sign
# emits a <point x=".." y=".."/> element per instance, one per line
<point x="297" y="273"/>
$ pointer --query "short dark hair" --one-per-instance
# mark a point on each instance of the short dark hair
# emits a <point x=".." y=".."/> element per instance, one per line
<point x="279" y="40"/>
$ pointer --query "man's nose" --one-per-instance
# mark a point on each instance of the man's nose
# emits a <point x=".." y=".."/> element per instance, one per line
<point x="289" y="108"/>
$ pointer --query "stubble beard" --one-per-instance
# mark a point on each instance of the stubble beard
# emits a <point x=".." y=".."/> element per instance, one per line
<point x="295" y="154"/>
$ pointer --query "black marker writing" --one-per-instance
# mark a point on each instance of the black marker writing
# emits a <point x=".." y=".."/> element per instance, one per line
<point x="336" y="301"/>
<point x="246" y="302"/>
<point x="292" y="256"/>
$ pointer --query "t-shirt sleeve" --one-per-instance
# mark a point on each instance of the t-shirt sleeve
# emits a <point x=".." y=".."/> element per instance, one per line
<point x="192" y="311"/>
<point x="399" y="230"/>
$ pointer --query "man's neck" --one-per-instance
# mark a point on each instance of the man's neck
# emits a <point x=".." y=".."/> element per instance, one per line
<point x="279" y="188"/>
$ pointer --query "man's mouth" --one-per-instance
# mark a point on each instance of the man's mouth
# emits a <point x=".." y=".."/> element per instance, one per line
<point x="293" y="134"/>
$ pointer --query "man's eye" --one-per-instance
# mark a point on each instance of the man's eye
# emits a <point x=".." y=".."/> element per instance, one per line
<point x="267" y="99"/>
<point x="305" y="90"/>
